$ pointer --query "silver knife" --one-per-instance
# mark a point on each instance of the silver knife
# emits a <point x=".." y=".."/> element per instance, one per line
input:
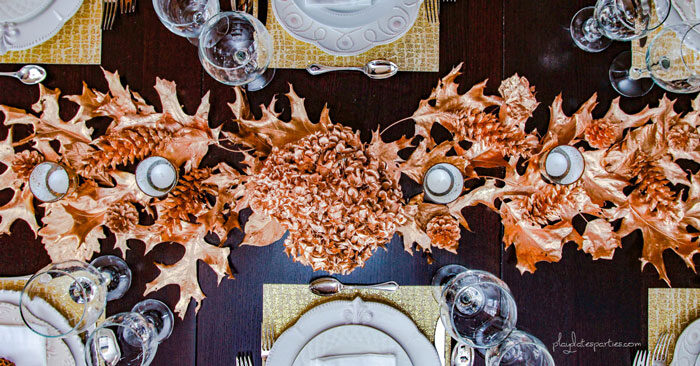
<point x="440" y="341"/>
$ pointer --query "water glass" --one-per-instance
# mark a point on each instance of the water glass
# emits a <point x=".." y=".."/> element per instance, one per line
<point x="673" y="58"/>
<point x="236" y="49"/>
<point x="185" y="17"/>
<point x="476" y="307"/>
<point x="519" y="349"/>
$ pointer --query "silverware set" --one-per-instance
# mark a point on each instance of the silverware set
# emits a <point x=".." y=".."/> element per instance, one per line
<point x="267" y="339"/>
<point x="658" y="357"/>
<point x="112" y="7"/>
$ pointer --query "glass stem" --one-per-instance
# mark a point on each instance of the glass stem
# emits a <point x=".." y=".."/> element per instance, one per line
<point x="591" y="30"/>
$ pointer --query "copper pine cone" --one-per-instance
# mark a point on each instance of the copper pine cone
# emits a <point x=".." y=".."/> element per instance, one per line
<point x="4" y="362"/>
<point x="683" y="137"/>
<point x="25" y="161"/>
<point x="550" y="203"/>
<point x="443" y="231"/>
<point x="122" y="217"/>
<point x="487" y="129"/>
<point x="187" y="198"/>
<point x="337" y="201"/>
<point x="654" y="189"/>
<point x="600" y="134"/>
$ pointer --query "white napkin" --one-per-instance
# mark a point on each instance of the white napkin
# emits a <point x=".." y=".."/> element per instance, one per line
<point x="22" y="346"/>
<point x="365" y="359"/>
<point x="338" y="2"/>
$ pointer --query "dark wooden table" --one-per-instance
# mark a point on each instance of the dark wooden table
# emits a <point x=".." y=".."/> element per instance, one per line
<point x="597" y="301"/>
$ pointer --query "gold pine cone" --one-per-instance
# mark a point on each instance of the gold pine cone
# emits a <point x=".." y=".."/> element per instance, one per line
<point x="487" y="129"/>
<point x="600" y="134"/>
<point x="122" y="217"/>
<point x="25" y="161"/>
<point x="187" y="198"/>
<point x="443" y="231"/>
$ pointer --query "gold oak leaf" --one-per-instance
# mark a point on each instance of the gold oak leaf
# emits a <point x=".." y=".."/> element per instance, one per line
<point x="20" y="207"/>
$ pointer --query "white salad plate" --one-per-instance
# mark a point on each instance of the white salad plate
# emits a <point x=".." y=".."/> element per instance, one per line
<point x="346" y="30"/>
<point x="351" y="340"/>
<point x="19" y="10"/>
<point x="43" y="25"/>
<point x="68" y="351"/>
<point x="687" y="346"/>
<point x="375" y="315"/>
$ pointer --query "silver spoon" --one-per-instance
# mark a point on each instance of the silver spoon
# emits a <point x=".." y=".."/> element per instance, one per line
<point x="29" y="74"/>
<point x="375" y="69"/>
<point x="327" y="286"/>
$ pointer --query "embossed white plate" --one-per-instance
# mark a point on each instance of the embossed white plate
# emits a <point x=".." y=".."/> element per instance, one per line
<point x="336" y="313"/>
<point x="19" y="10"/>
<point x="40" y="28"/>
<point x="687" y="346"/>
<point x="351" y="340"/>
<point x="347" y="30"/>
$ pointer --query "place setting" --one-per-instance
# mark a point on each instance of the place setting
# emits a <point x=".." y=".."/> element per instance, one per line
<point x="143" y="170"/>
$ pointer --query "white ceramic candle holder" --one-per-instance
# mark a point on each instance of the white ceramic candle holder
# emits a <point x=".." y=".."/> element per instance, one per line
<point x="443" y="183"/>
<point x="156" y="176"/>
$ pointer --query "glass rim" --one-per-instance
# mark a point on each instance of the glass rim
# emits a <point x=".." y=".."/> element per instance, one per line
<point x="23" y="293"/>
<point x="532" y="341"/>
<point x="500" y="283"/>
<point x="208" y="25"/>
<point x="692" y="27"/>
<point x="162" y="16"/>
<point x="110" y="322"/>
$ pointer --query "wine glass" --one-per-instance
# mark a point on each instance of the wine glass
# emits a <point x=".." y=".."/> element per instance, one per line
<point x="236" y="49"/>
<point x="81" y="288"/>
<point x="185" y="17"/>
<point x="476" y="307"/>
<point x="519" y="349"/>
<point x="673" y="58"/>
<point x="593" y="28"/>
<point x="130" y="338"/>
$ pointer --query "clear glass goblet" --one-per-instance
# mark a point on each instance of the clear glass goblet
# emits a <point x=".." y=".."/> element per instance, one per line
<point x="519" y="349"/>
<point x="593" y="28"/>
<point x="186" y="17"/>
<point x="673" y="58"/>
<point x="130" y="338"/>
<point x="81" y="288"/>
<point x="476" y="307"/>
<point x="236" y="49"/>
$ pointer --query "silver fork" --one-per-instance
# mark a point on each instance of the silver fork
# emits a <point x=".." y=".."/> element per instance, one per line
<point x="128" y="6"/>
<point x="267" y="339"/>
<point x="110" y="12"/>
<point x="432" y="9"/>
<point x="661" y="350"/>
<point x="244" y="359"/>
<point x="641" y="359"/>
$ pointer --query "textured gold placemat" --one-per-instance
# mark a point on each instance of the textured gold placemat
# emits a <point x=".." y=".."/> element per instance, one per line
<point x="671" y="310"/>
<point x="284" y="304"/>
<point x="78" y="42"/>
<point x="417" y="50"/>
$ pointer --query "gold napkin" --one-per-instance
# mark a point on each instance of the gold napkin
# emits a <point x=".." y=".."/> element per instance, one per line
<point x="78" y="42"/>
<point x="671" y="310"/>
<point x="417" y="50"/>
<point x="283" y="305"/>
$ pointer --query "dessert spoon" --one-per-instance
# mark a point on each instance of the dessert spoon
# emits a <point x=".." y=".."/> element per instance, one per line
<point x="29" y="74"/>
<point x="375" y="69"/>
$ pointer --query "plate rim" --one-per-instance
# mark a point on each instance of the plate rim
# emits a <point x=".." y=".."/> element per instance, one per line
<point x="48" y="28"/>
<point x="695" y="323"/>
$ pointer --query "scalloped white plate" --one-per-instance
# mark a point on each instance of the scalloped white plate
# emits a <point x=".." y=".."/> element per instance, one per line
<point x="347" y="30"/>
<point x="687" y="346"/>
<point x="40" y="28"/>
<point x="19" y="10"/>
<point x="336" y="313"/>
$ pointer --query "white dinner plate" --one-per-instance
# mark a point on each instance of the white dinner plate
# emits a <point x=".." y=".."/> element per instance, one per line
<point x="347" y="30"/>
<point x="336" y="313"/>
<point x="687" y="346"/>
<point x="351" y="340"/>
<point x="44" y="25"/>
<point x="19" y="10"/>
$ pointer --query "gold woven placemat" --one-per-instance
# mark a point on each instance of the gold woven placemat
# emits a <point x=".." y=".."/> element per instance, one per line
<point x="78" y="42"/>
<point x="284" y="304"/>
<point x="671" y="310"/>
<point x="417" y="50"/>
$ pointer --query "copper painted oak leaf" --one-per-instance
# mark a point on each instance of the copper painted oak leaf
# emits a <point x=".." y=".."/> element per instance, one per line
<point x="20" y="206"/>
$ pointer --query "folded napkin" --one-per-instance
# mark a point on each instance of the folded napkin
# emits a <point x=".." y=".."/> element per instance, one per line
<point x="22" y="346"/>
<point x="366" y="359"/>
<point x="338" y="2"/>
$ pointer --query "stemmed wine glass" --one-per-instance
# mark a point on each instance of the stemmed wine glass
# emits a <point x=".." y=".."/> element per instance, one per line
<point x="519" y="349"/>
<point x="476" y="307"/>
<point x="130" y="338"/>
<point x="186" y="17"/>
<point x="236" y="49"/>
<point x="673" y="58"/>
<point x="595" y="27"/>
<point x="82" y="288"/>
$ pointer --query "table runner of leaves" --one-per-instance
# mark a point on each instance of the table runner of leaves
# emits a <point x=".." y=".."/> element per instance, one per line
<point x="339" y="197"/>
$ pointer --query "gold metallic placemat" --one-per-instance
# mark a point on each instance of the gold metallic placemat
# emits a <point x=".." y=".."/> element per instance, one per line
<point x="671" y="310"/>
<point x="78" y="42"/>
<point x="284" y="304"/>
<point x="417" y="50"/>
